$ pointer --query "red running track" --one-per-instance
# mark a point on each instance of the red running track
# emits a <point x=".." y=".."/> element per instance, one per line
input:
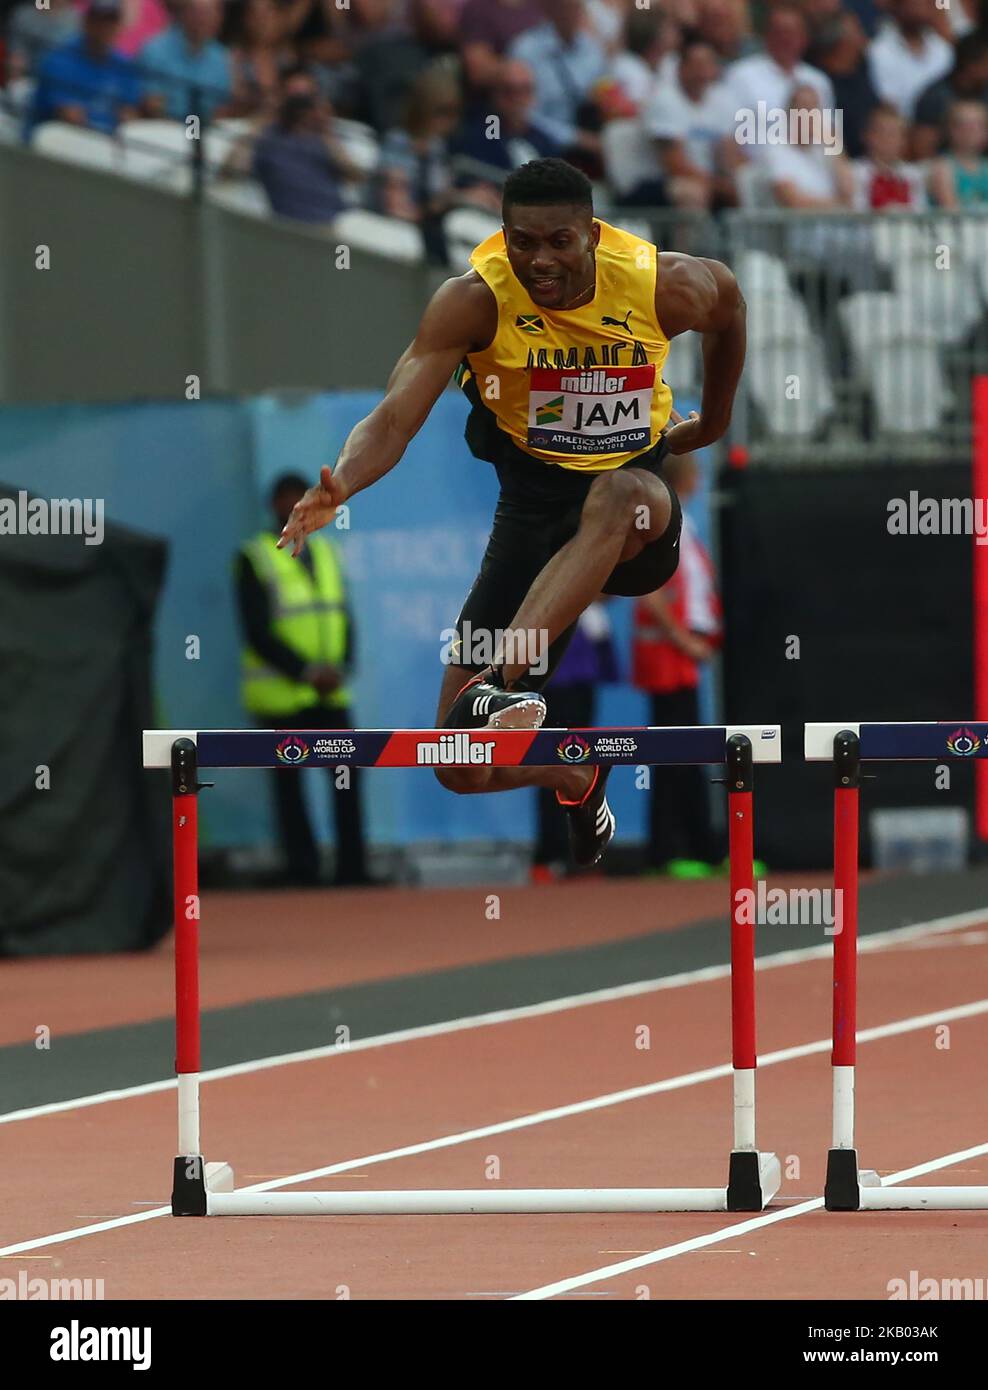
<point x="918" y="1101"/>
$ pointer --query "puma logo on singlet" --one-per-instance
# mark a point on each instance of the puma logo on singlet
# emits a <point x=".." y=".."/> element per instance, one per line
<point x="619" y="323"/>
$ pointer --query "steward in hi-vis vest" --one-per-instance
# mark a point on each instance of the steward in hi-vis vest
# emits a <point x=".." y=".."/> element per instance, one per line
<point x="298" y="649"/>
<point x="558" y="335"/>
<point x="307" y="616"/>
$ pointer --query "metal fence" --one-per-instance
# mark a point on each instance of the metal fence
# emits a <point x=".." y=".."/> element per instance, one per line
<point x="864" y="330"/>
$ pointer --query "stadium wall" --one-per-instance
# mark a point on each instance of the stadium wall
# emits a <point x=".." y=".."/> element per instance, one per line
<point x="146" y="289"/>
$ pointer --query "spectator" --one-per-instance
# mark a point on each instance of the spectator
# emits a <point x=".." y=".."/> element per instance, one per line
<point x="487" y="28"/>
<point x="568" y="63"/>
<point x="297" y="160"/>
<point x="770" y="77"/>
<point x="85" y="81"/>
<point x="677" y="629"/>
<point x="588" y="661"/>
<point x="692" y="120"/>
<point x="437" y="24"/>
<point x="907" y="54"/>
<point x="513" y="140"/>
<point x="724" y="25"/>
<point x="840" y="51"/>
<point x="387" y="58"/>
<point x="802" y="174"/>
<point x="649" y="59"/>
<point x="416" y="180"/>
<point x="299" y="651"/>
<point x="188" y="71"/>
<point x="261" y="48"/>
<point x="960" y="178"/>
<point x="967" y="79"/>
<point x="819" y="15"/>
<point x="882" y="179"/>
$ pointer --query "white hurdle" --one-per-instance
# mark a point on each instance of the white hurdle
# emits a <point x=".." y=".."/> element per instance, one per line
<point x="207" y="1189"/>
<point x="850" y="1188"/>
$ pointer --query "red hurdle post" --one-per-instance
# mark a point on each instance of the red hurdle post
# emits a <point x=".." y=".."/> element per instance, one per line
<point x="842" y="1188"/>
<point x="744" y="1186"/>
<point x="188" y="1188"/>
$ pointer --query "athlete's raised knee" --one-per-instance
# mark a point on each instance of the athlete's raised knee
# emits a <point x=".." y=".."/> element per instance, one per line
<point x="615" y="499"/>
<point x="463" y="779"/>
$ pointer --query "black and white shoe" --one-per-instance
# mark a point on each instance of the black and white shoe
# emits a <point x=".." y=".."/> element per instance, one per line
<point x="591" y="821"/>
<point x="483" y="703"/>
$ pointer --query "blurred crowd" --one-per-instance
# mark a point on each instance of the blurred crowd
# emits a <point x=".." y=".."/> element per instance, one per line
<point x="647" y="96"/>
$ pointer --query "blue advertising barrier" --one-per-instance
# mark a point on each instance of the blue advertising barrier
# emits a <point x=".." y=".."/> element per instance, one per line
<point x="199" y="473"/>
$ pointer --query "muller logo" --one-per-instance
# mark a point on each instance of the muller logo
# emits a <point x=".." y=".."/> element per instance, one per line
<point x="454" y="748"/>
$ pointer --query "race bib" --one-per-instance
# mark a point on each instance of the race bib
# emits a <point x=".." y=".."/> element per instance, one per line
<point x="593" y="410"/>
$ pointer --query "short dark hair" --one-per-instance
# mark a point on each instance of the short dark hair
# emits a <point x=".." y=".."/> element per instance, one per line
<point x="545" y="183"/>
<point x="641" y="28"/>
<point x="294" y="481"/>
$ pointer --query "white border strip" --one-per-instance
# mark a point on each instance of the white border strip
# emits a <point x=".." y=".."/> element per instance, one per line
<point x="766" y="739"/>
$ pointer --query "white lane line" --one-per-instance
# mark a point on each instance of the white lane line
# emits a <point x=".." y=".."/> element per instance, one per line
<point x="740" y="1228"/>
<point x="540" y="1117"/>
<point x="878" y="941"/>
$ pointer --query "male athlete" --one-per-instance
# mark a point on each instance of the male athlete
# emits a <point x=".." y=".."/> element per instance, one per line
<point x="558" y="336"/>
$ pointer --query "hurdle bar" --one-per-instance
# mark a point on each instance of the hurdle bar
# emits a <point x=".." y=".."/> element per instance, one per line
<point x="848" y="1187"/>
<point x="207" y="1189"/>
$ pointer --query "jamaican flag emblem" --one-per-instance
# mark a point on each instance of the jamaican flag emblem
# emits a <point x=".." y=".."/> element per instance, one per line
<point x="549" y="412"/>
<point x="529" y="323"/>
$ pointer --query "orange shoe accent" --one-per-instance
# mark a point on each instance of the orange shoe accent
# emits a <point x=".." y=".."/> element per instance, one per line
<point x="596" y="774"/>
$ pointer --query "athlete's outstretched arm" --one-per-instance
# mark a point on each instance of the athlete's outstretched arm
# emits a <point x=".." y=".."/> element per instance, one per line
<point x="460" y="318"/>
<point x="693" y="292"/>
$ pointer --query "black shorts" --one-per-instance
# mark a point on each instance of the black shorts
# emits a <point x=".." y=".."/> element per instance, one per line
<point x="538" y="511"/>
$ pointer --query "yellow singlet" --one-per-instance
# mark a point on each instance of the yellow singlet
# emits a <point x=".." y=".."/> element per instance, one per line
<point x="581" y="388"/>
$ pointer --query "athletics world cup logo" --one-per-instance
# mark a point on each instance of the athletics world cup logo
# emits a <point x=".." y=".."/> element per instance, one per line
<point x="573" y="749"/>
<point x="292" y="751"/>
<point x="964" y="743"/>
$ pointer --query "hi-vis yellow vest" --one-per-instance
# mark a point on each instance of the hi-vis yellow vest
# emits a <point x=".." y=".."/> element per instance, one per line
<point x="581" y="388"/>
<point x="307" y="614"/>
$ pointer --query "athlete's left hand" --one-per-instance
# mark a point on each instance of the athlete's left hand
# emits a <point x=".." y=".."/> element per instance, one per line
<point x="685" y="435"/>
<point x="315" y="508"/>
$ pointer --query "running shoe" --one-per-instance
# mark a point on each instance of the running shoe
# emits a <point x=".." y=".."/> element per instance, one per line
<point x="483" y="703"/>
<point x="591" y="821"/>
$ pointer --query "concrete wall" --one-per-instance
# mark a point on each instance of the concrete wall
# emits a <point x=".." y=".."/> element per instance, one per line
<point x="147" y="288"/>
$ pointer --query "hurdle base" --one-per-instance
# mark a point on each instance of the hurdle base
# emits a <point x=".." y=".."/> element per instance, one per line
<point x="555" y="1201"/>
<point x="753" y="1180"/>
<point x="850" y="1188"/>
<point x="847" y="1183"/>
<point x="893" y="1198"/>
<point x="192" y="1180"/>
